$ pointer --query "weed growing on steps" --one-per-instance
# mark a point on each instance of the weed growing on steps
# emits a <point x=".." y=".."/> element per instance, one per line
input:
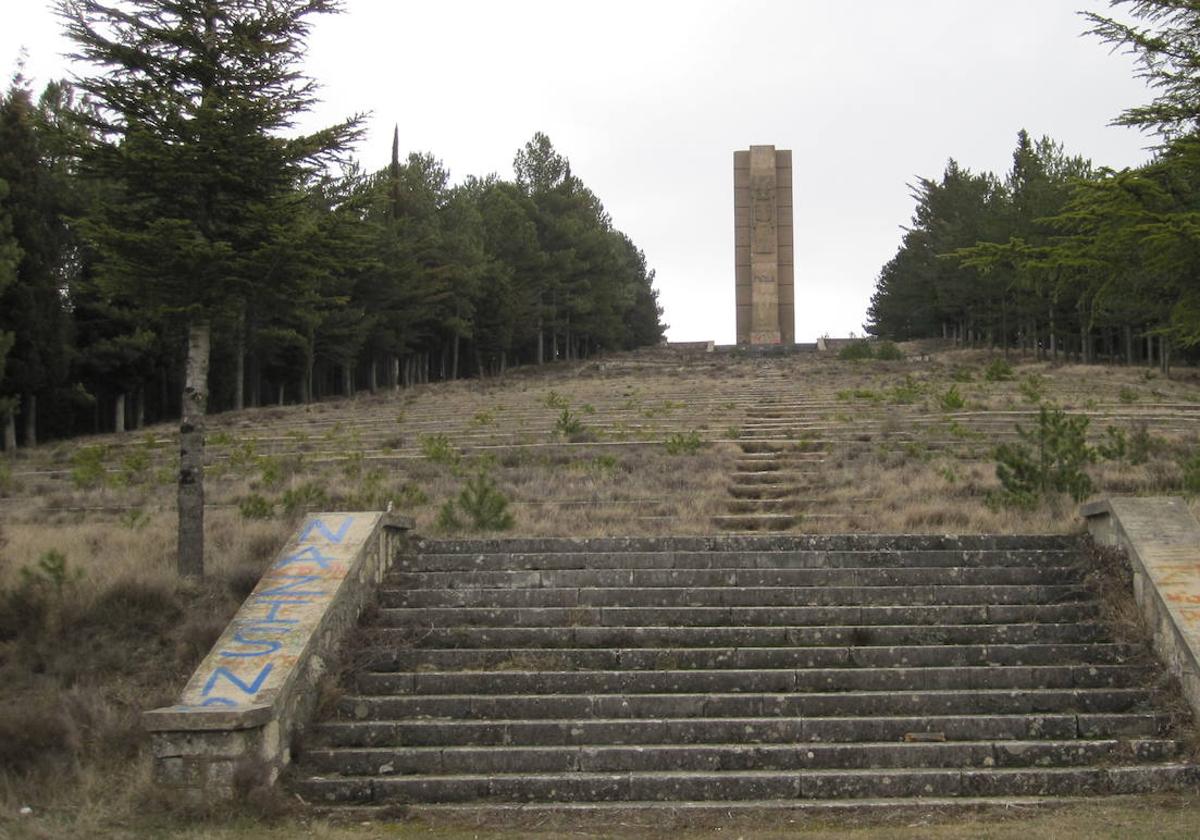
<point x="555" y="400"/>
<point x="568" y="425"/>
<point x="951" y="400"/>
<point x="907" y="392"/>
<point x="684" y="443"/>
<point x="87" y="466"/>
<point x="1033" y="388"/>
<point x="438" y="449"/>
<point x="481" y="502"/>
<point x="1049" y="459"/>
<point x="998" y="370"/>
<point x="256" y="506"/>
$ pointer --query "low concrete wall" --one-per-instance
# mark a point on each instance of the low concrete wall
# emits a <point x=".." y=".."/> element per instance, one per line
<point x="256" y="688"/>
<point x="1162" y="539"/>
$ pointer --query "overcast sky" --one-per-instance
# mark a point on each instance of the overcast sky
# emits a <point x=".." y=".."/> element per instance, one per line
<point x="649" y="100"/>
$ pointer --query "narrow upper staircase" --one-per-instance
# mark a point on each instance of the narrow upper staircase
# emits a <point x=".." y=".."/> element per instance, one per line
<point x="751" y="670"/>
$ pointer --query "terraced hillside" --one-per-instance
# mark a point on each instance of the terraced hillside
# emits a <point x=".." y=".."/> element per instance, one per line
<point x="649" y="443"/>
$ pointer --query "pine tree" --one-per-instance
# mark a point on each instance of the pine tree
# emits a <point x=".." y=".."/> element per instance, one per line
<point x="194" y="97"/>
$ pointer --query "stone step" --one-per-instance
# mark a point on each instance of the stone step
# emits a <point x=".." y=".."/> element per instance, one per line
<point x="771" y="668"/>
<point x="736" y="617"/>
<point x="545" y="673"/>
<point x="762" y="491"/>
<point x="733" y="560"/>
<point x="786" y="504"/>
<point x="745" y="704"/>
<point x="754" y="785"/>
<point x="733" y="596"/>
<point x="769" y="730"/>
<point x="385" y="761"/>
<point x="809" y="542"/>
<point x="399" y="582"/>
<point x="778" y="478"/>
<point x="550" y="638"/>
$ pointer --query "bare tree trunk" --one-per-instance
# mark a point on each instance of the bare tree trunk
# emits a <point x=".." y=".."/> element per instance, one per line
<point x="347" y="379"/>
<point x="119" y="414"/>
<point x="454" y="358"/>
<point x="139" y="418"/>
<point x="541" y="343"/>
<point x="282" y="390"/>
<point x="10" y="432"/>
<point x="30" y="421"/>
<point x="239" y="352"/>
<point x="503" y="361"/>
<point x="394" y="372"/>
<point x="374" y="375"/>
<point x="1128" y="344"/>
<point x="191" y="452"/>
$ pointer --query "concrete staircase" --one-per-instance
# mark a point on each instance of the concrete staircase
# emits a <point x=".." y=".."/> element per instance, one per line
<point x="741" y="671"/>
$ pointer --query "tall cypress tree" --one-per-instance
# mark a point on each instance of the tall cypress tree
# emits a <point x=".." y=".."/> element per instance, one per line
<point x="194" y="99"/>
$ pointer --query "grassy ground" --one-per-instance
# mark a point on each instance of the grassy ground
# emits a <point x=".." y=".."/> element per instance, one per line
<point x="95" y="627"/>
<point x="1145" y="818"/>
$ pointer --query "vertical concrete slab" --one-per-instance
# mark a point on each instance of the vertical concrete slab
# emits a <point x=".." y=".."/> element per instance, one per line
<point x="1162" y="541"/>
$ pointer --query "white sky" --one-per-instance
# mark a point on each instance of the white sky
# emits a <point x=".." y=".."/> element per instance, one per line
<point x="649" y="99"/>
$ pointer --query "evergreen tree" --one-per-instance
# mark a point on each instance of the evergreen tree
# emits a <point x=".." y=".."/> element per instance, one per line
<point x="194" y="97"/>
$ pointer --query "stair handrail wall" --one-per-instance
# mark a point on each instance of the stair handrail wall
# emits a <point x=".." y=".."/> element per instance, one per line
<point x="1161" y="538"/>
<point x="240" y="712"/>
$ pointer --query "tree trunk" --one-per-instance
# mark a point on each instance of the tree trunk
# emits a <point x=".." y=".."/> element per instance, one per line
<point x="239" y="373"/>
<point x="1164" y="355"/>
<point x="119" y="414"/>
<point x="373" y="379"/>
<point x="282" y="389"/>
<point x="191" y="452"/>
<point x="139" y="419"/>
<point x="347" y="379"/>
<point x="394" y="372"/>
<point x="1149" y="351"/>
<point x="454" y="358"/>
<point x="30" y="406"/>
<point x="541" y="357"/>
<point x="503" y="361"/>
<point x="10" y="432"/>
<point x="1128" y="345"/>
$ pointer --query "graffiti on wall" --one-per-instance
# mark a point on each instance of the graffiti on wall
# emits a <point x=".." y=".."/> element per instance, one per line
<point x="257" y="651"/>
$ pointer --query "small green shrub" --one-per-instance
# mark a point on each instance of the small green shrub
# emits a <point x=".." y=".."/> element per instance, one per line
<point x="483" y="418"/>
<point x="134" y="519"/>
<point x="87" y="466"/>
<point x="998" y="370"/>
<point x="1033" y="388"/>
<point x="481" y="502"/>
<point x="219" y="438"/>
<point x="1127" y="395"/>
<point x="8" y="484"/>
<point x="907" y="392"/>
<point x="135" y="466"/>
<point x="1114" y="446"/>
<point x="962" y="374"/>
<point x="256" y="506"/>
<point x="1141" y="445"/>
<point x="568" y="425"/>
<point x="856" y="351"/>
<point x="555" y="400"/>
<point x="1048" y="459"/>
<point x="1191" y="474"/>
<point x="35" y="607"/>
<point x="440" y="450"/>
<point x="886" y="351"/>
<point x="952" y="400"/>
<point x="684" y="443"/>
<point x="307" y="497"/>
<point x="272" y="471"/>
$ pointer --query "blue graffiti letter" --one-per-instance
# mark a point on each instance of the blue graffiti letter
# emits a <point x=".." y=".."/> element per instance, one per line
<point x="330" y="536"/>
<point x="251" y="688"/>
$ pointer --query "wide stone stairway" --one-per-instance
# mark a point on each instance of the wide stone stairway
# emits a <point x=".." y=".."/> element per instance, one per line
<point x="742" y="671"/>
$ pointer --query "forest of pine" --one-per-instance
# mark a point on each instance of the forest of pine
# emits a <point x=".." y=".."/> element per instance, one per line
<point x="1061" y="257"/>
<point x="165" y="189"/>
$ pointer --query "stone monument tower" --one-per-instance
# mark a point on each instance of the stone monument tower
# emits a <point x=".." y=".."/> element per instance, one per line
<point x="765" y="277"/>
